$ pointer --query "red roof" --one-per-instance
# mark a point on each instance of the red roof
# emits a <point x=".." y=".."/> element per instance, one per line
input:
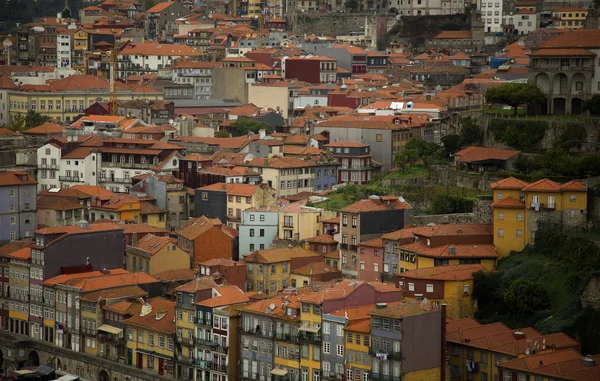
<point x="475" y="154"/>
<point x="16" y="178"/>
<point x="509" y="202"/>
<point x="453" y="34"/>
<point x="561" y="52"/>
<point x="509" y="183"/>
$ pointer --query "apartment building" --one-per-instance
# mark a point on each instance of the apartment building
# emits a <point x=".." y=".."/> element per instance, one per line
<point x="259" y="227"/>
<point x="311" y="69"/>
<point x="64" y="46"/>
<point x="298" y="222"/>
<point x="18" y="217"/>
<point x="225" y="271"/>
<point x="162" y="15"/>
<point x="356" y="162"/>
<point x="569" y="17"/>
<point x="365" y="220"/>
<point x="227" y="201"/>
<point x="205" y="238"/>
<point x="197" y="73"/>
<point x="59" y="211"/>
<point x="492" y="14"/>
<point x="567" y="75"/>
<point x="481" y="349"/>
<point x="520" y="208"/>
<point x="149" y="57"/>
<point x="566" y="364"/>
<point x="153" y="254"/>
<point x="348" y="57"/>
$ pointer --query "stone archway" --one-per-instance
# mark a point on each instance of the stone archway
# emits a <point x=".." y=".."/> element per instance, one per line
<point x="103" y="376"/>
<point x="576" y="106"/>
<point x="33" y="359"/>
<point x="543" y="82"/>
<point x="560" y="106"/>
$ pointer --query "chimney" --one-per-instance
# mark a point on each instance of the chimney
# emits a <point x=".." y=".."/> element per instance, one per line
<point x="134" y="238"/>
<point x="262" y="133"/>
<point x="519" y="335"/>
<point x="588" y="362"/>
<point x="146" y="309"/>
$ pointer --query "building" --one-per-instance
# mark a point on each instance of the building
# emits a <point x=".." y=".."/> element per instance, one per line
<point x="487" y="346"/>
<point x="322" y="243"/>
<point x="162" y="15"/>
<point x="206" y="239"/>
<point x="153" y="254"/>
<point x="365" y="220"/>
<point x="400" y="333"/>
<point x="298" y="222"/>
<point x="151" y="112"/>
<point x="450" y="285"/>
<point x="150" y="336"/>
<point x="311" y="69"/>
<point x="480" y="159"/>
<point x="371" y="259"/>
<point x="567" y="364"/>
<point x="314" y="272"/>
<point x="356" y="162"/>
<point x="64" y="48"/>
<point x="523" y="22"/>
<point x="59" y="211"/>
<point x="18" y="206"/>
<point x="258" y="229"/>
<point x="383" y="135"/>
<point x="520" y="209"/>
<point x="569" y="17"/>
<point x="198" y="73"/>
<point x="268" y="271"/>
<point x="492" y="15"/>
<point x="149" y="57"/>
<point x="347" y="57"/>
<point x="227" y="201"/>
<point x="225" y="271"/>
<point x="125" y="207"/>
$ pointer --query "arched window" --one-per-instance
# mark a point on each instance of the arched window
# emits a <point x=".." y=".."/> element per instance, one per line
<point x="155" y="160"/>
<point x="130" y="159"/>
<point x="143" y="159"/>
<point x="122" y="159"/>
<point x="114" y="158"/>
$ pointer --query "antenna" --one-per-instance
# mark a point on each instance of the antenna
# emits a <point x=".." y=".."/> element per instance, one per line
<point x="272" y="306"/>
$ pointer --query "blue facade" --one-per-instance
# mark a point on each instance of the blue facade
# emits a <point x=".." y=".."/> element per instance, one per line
<point x="17" y="208"/>
<point x="258" y="229"/>
<point x="332" y="364"/>
<point x="326" y="177"/>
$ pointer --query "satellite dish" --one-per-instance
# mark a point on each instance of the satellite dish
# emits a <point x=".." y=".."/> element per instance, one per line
<point x="272" y="306"/>
<point x="69" y="138"/>
<point x="248" y="35"/>
<point x="171" y="121"/>
<point x="254" y="35"/>
<point x="75" y="138"/>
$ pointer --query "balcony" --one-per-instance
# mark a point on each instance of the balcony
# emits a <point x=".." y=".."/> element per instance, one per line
<point x="391" y="355"/>
<point x="111" y="164"/>
<point x="287" y="337"/>
<point x="71" y="179"/>
<point x="343" y="246"/>
<point x="387" y="277"/>
<point x="218" y="367"/>
<point x="383" y="377"/>
<point x="207" y="343"/>
<point x="311" y="339"/>
<point x="252" y="331"/>
<point x="234" y="218"/>
<point x="205" y="322"/>
<point x="203" y="364"/>
<point x="220" y="349"/>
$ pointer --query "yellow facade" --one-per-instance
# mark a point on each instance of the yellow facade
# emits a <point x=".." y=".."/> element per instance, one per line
<point x="569" y="18"/>
<point x="95" y="316"/>
<point x="80" y="49"/>
<point x="426" y="262"/>
<point x="185" y="331"/>
<point x="351" y="345"/>
<point x="311" y="317"/>
<point x="304" y="224"/>
<point x="65" y="106"/>
<point x="510" y="221"/>
<point x="170" y="257"/>
<point x="136" y="342"/>
<point x="262" y="276"/>
<point x="299" y="280"/>
<point x="458" y="354"/>
<point x="157" y="220"/>
<point x="236" y="205"/>
<point x="425" y="374"/>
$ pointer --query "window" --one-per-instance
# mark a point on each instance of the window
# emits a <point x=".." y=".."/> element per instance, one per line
<point x="340" y="330"/>
<point x="519" y="216"/>
<point x="500" y="215"/>
<point x="572" y="197"/>
<point x="519" y="233"/>
<point x="429" y="288"/>
<point x="326" y="328"/>
<point x="161" y="341"/>
<point x="499" y="196"/>
<point x="326" y="347"/>
<point x="339" y="350"/>
<point x="466" y="288"/>
<point x="500" y="232"/>
<point x="411" y="287"/>
<point x="349" y="337"/>
<point x="379" y="138"/>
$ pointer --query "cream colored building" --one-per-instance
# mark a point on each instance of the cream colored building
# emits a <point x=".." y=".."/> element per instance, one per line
<point x="298" y="222"/>
<point x="273" y="96"/>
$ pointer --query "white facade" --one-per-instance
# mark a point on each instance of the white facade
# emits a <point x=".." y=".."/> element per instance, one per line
<point x="48" y="159"/>
<point x="201" y="78"/>
<point x="523" y="23"/>
<point x="149" y="63"/>
<point x="79" y="171"/>
<point x="491" y="15"/>
<point x="302" y="101"/>
<point x="116" y="175"/>
<point x="63" y="51"/>
<point x="428" y="7"/>
<point x="4" y="106"/>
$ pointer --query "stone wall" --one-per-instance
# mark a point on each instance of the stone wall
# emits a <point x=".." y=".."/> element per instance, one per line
<point x="19" y="150"/>
<point x="482" y="214"/>
<point x="449" y="176"/>
<point x="16" y="351"/>
<point x="329" y="24"/>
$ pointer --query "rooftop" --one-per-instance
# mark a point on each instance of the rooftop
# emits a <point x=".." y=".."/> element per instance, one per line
<point x="453" y="272"/>
<point x="477" y="154"/>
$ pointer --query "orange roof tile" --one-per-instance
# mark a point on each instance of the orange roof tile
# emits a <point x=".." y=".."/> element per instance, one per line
<point x="224" y="296"/>
<point x="16" y="178"/>
<point x="363" y="326"/>
<point x="562" y="52"/>
<point x="161" y="318"/>
<point x="509" y="202"/>
<point x="91" y="274"/>
<point x="453" y="272"/>
<point x="322" y="238"/>
<point x="45" y="129"/>
<point x="573" y="186"/>
<point x="57" y="203"/>
<point x="316" y="268"/>
<point x="375" y="242"/>
<point x="452" y="251"/>
<point x="23" y="254"/>
<point x="574" y="39"/>
<point x="509" y="183"/>
<point x="197" y="284"/>
<point x="543" y="185"/>
<point x="160" y="7"/>
<point x="475" y="154"/>
<point x="152" y="244"/>
<point x="247" y="190"/>
<point x="278" y="255"/>
<point x="567" y="364"/>
<point x="374" y="205"/>
<point x="115" y="293"/>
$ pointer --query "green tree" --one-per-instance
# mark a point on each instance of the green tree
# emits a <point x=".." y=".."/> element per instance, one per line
<point x="406" y="158"/>
<point x="470" y="131"/>
<point x="242" y="126"/>
<point x="18" y="123"/>
<point x="525" y="297"/>
<point x="222" y="133"/>
<point x="444" y="203"/>
<point x="515" y="95"/>
<point x="451" y="144"/>
<point x="587" y="330"/>
<point x="423" y="148"/>
<point x="592" y="105"/>
<point x="34" y="119"/>
<point x="487" y="290"/>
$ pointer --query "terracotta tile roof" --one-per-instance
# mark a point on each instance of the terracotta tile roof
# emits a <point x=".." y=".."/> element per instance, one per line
<point x="92" y="190"/>
<point x="120" y="307"/>
<point x="377" y="122"/>
<point x="23" y="254"/>
<point x="406" y="233"/>
<point x="174" y="275"/>
<point x="509" y="202"/>
<point x="316" y="268"/>
<point x="279" y="162"/>
<point x="574" y="186"/>
<point x="74" y="229"/>
<point x="451" y="34"/>
<point x="356" y="313"/>
<point x="45" y="129"/>
<point x="363" y="326"/>
<point x="237" y="142"/>
<point x="374" y="205"/>
<point x="152" y="244"/>
<point x="567" y="364"/>
<point x="509" y="183"/>
<point x="543" y="185"/>
<point x="7" y="132"/>
<point x="570" y="9"/>
<point x="455" y="325"/>
<point x="350" y="49"/>
<point x="110" y="281"/>
<point x="195" y="157"/>
<point x="160" y="7"/>
<point x="561" y="52"/>
<point x="445" y="251"/>
<point x="148" y="208"/>
<point x="375" y="242"/>
<point x="475" y="154"/>
<point x="197" y="284"/>
<point x="57" y="203"/>
<point x="574" y="39"/>
<point x="454" y="229"/>
<point x="155" y="48"/>
<point x="224" y="296"/>
<point x="78" y="153"/>
<point x="278" y="255"/>
<point x="160" y="319"/>
<point x="16" y="178"/>
<point x="14" y="246"/>
<point x="222" y="262"/>
<point x="115" y="293"/>
<point x="91" y="274"/>
<point x="234" y="189"/>
<point x="322" y="238"/>
<point x="196" y="228"/>
<point x="334" y="220"/>
<point x="342" y="289"/>
<point x="453" y="272"/>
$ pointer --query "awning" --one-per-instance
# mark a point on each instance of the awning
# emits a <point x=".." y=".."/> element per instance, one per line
<point x="279" y="372"/>
<point x="110" y="329"/>
<point x="309" y="329"/>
